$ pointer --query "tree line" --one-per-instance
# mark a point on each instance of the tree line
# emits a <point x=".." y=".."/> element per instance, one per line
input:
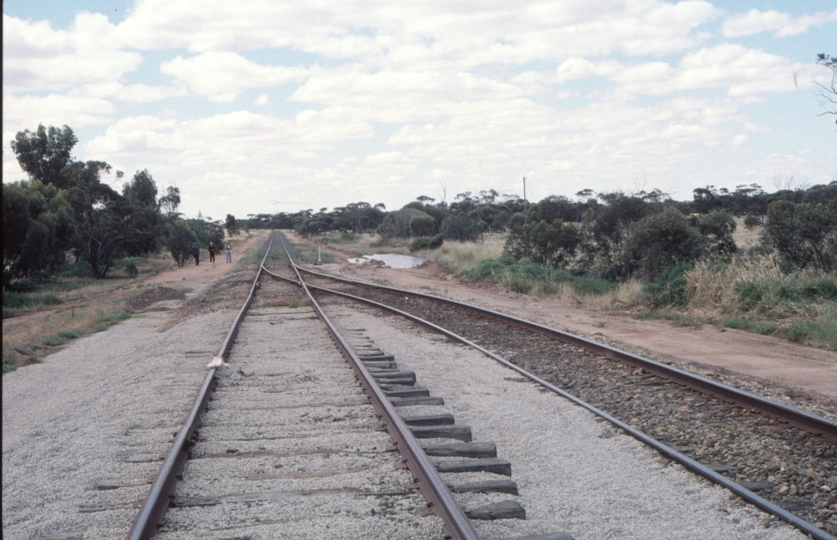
<point x="613" y="235"/>
<point x="64" y="210"/>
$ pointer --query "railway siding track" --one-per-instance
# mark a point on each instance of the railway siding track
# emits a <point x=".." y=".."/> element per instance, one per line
<point x="282" y="442"/>
<point x="791" y="469"/>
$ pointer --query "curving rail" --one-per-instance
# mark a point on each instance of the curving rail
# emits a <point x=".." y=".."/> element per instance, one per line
<point x="803" y="419"/>
<point x="440" y="500"/>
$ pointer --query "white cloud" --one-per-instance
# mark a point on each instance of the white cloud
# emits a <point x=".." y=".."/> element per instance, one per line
<point x="26" y="112"/>
<point x="262" y="100"/>
<point x="463" y="34"/>
<point x="742" y="71"/>
<point x="132" y="93"/>
<point x="222" y="75"/>
<point x="782" y="24"/>
<point x="37" y="57"/>
<point x="739" y="139"/>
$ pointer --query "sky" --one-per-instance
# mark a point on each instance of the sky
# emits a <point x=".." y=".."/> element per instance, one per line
<point x="278" y="106"/>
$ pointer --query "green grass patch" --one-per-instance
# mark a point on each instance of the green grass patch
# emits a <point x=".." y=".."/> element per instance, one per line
<point x="524" y="276"/>
<point x="100" y="327"/>
<point x="8" y="365"/>
<point x="55" y="341"/>
<point x="116" y="317"/>
<point x="671" y="288"/>
<point x="16" y="301"/>
<point x="738" y="323"/>
<point x="81" y="269"/>
<point x="309" y="254"/>
<point x="71" y="333"/>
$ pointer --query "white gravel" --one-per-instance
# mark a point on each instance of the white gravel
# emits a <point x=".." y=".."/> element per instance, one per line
<point x="320" y="465"/>
<point x="87" y="413"/>
<point x="574" y="472"/>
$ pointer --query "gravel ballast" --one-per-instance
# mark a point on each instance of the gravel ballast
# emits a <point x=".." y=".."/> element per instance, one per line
<point x="574" y="472"/>
<point x="83" y="431"/>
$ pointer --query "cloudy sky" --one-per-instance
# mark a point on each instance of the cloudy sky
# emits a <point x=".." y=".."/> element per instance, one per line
<point x="277" y="105"/>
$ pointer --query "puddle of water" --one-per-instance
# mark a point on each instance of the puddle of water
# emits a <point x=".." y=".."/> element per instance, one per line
<point x="400" y="262"/>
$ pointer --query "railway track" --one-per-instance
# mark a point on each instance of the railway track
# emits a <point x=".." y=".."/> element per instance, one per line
<point x="291" y="443"/>
<point x="778" y="458"/>
<point x="283" y="442"/>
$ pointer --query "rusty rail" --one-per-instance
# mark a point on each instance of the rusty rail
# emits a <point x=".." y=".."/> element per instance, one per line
<point x="802" y="419"/>
<point x="153" y="508"/>
<point x="804" y="526"/>
<point x="440" y="500"/>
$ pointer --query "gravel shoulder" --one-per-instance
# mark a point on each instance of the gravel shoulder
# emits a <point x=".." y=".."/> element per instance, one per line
<point x="574" y="472"/>
<point x="83" y="429"/>
<point x="804" y="373"/>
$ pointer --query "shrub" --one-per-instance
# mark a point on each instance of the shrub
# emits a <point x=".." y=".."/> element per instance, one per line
<point x="659" y="241"/>
<point x="751" y="222"/>
<point x="671" y="288"/>
<point x="180" y="238"/>
<point x="803" y="234"/>
<point x="418" y="244"/>
<point x="131" y="269"/>
<point x="13" y="300"/>
<point x="462" y="228"/>
<point x="436" y="242"/>
<point x="552" y="244"/>
<point x="423" y="226"/>
<point x="526" y="277"/>
<point x="717" y="228"/>
<point x="397" y="224"/>
<point x="8" y="365"/>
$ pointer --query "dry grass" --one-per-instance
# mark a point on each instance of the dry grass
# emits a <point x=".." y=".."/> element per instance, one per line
<point x="457" y="257"/>
<point x="87" y="305"/>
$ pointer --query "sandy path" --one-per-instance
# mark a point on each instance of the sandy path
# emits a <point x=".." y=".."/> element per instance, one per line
<point x="763" y="357"/>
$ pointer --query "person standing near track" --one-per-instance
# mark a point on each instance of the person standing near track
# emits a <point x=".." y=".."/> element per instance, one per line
<point x="196" y="252"/>
<point x="211" y="252"/>
<point x="229" y="253"/>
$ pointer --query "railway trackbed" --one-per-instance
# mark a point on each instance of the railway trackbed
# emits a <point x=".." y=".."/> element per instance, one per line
<point x="329" y="419"/>
<point x="781" y="459"/>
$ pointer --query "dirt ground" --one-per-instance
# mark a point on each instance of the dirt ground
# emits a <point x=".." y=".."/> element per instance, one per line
<point x="766" y="358"/>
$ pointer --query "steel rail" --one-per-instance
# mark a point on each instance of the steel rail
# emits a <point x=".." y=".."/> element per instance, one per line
<point x="440" y="500"/>
<point x="674" y="455"/>
<point x="802" y="419"/>
<point x="150" y="516"/>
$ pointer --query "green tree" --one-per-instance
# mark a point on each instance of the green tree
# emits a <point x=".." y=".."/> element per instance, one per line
<point x="423" y="226"/>
<point x="141" y="190"/>
<point x="717" y="228"/>
<point x="44" y="153"/>
<point x="38" y="229"/>
<point x="170" y="202"/>
<point x="461" y="227"/>
<point x="659" y="241"/>
<point x="101" y="214"/>
<point x="231" y="227"/>
<point x="803" y="234"/>
<point x="143" y="216"/>
<point x="179" y="239"/>
<point x="552" y="244"/>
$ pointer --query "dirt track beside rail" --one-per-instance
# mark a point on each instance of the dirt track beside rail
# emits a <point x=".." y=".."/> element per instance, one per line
<point x="802" y="369"/>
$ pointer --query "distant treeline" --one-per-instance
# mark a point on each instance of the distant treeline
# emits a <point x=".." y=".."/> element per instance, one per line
<point x="65" y="209"/>
<point x="613" y="235"/>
